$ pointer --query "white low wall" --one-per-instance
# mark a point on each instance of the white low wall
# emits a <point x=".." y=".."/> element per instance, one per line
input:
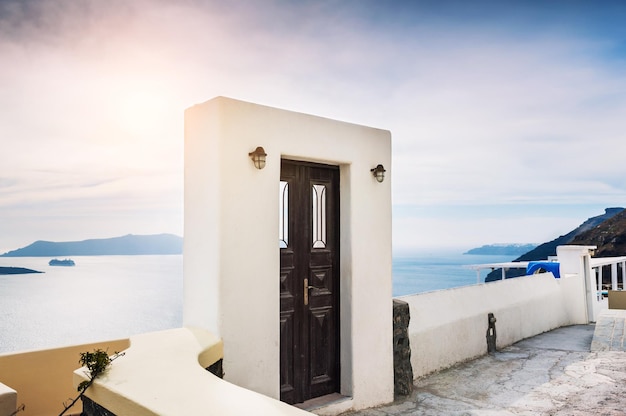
<point x="8" y="400"/>
<point x="450" y="326"/>
<point x="163" y="374"/>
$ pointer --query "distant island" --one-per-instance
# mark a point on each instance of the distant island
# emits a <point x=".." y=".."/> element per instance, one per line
<point x="16" y="270"/>
<point x="123" y="246"/>
<point x="502" y="249"/>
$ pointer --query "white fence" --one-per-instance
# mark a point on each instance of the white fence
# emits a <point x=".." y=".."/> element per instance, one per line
<point x="617" y="270"/>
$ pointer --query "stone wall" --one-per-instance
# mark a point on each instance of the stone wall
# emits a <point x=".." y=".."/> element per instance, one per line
<point x="91" y="408"/>
<point x="402" y="370"/>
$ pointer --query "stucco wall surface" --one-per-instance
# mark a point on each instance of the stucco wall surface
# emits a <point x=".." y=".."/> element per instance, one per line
<point x="575" y="261"/>
<point x="231" y="253"/>
<point x="8" y="400"/>
<point x="450" y="326"/>
<point x="163" y="373"/>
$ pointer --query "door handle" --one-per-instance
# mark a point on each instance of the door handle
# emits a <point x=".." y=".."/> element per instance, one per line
<point x="306" y="291"/>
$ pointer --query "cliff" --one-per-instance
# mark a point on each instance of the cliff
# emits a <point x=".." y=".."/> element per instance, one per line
<point x="549" y="249"/>
<point x="609" y="237"/>
<point x="126" y="245"/>
<point x="543" y="251"/>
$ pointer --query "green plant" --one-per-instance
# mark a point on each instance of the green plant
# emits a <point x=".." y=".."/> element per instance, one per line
<point x="96" y="363"/>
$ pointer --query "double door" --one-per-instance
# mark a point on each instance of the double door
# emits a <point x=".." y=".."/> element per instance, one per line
<point x="309" y="281"/>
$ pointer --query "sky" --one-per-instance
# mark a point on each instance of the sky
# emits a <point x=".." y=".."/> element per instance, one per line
<point x="508" y="119"/>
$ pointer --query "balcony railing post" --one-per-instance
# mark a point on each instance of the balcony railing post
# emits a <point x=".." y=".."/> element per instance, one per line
<point x="614" y="276"/>
<point x="623" y="275"/>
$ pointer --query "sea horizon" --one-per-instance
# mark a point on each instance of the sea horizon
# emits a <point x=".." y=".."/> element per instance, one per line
<point x="436" y="269"/>
<point x="100" y="298"/>
<point x="113" y="297"/>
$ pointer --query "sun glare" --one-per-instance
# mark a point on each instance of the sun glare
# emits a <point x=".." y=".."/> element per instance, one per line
<point x="141" y="111"/>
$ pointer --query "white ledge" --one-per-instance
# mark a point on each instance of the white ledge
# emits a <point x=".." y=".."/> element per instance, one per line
<point x="163" y="373"/>
<point x="8" y="400"/>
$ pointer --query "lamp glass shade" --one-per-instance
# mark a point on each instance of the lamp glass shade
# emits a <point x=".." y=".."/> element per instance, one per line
<point x="258" y="157"/>
<point x="259" y="161"/>
<point x="379" y="173"/>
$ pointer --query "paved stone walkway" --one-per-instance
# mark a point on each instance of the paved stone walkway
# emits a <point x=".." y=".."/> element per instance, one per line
<point x="556" y="373"/>
<point x="609" y="333"/>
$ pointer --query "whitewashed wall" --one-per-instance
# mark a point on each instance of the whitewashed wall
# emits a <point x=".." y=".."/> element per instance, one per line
<point x="575" y="261"/>
<point x="231" y="255"/>
<point x="450" y="326"/>
<point x="8" y="400"/>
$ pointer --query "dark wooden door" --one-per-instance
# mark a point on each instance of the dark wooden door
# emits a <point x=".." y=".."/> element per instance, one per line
<point x="309" y="281"/>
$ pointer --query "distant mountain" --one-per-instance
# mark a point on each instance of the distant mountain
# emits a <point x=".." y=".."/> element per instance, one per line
<point x="543" y="251"/>
<point x="126" y="245"/>
<point x="549" y="249"/>
<point x="609" y="237"/>
<point x="502" y="249"/>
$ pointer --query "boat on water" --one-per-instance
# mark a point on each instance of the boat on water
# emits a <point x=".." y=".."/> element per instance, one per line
<point x="57" y="262"/>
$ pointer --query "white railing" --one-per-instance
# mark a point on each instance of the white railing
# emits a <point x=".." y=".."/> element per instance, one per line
<point x="594" y="271"/>
<point x="618" y="274"/>
<point x="597" y="266"/>
<point x="493" y="266"/>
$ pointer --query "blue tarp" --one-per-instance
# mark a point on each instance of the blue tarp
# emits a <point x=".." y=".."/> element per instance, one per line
<point x="548" y="266"/>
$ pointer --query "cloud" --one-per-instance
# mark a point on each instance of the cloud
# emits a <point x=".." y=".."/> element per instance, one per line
<point x="486" y="106"/>
<point x="494" y="129"/>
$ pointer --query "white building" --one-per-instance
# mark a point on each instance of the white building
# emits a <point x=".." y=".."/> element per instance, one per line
<point x="314" y="317"/>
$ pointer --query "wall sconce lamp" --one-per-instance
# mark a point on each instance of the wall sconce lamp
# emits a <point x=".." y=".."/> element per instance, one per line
<point x="379" y="173"/>
<point x="258" y="157"/>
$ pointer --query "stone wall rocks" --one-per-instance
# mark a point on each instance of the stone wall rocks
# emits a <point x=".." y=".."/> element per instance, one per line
<point x="402" y="369"/>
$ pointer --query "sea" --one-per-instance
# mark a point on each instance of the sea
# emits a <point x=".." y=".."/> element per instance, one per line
<point x="100" y="298"/>
<point x="112" y="297"/>
<point x="436" y="270"/>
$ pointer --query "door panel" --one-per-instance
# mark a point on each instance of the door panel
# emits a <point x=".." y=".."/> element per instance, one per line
<point x="309" y="281"/>
<point x="287" y="329"/>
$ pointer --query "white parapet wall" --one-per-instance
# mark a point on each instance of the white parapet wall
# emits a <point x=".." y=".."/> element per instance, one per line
<point x="8" y="400"/>
<point x="163" y="373"/>
<point x="450" y="326"/>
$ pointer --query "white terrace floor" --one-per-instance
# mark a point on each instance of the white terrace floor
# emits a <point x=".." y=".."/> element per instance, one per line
<point x="567" y="371"/>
